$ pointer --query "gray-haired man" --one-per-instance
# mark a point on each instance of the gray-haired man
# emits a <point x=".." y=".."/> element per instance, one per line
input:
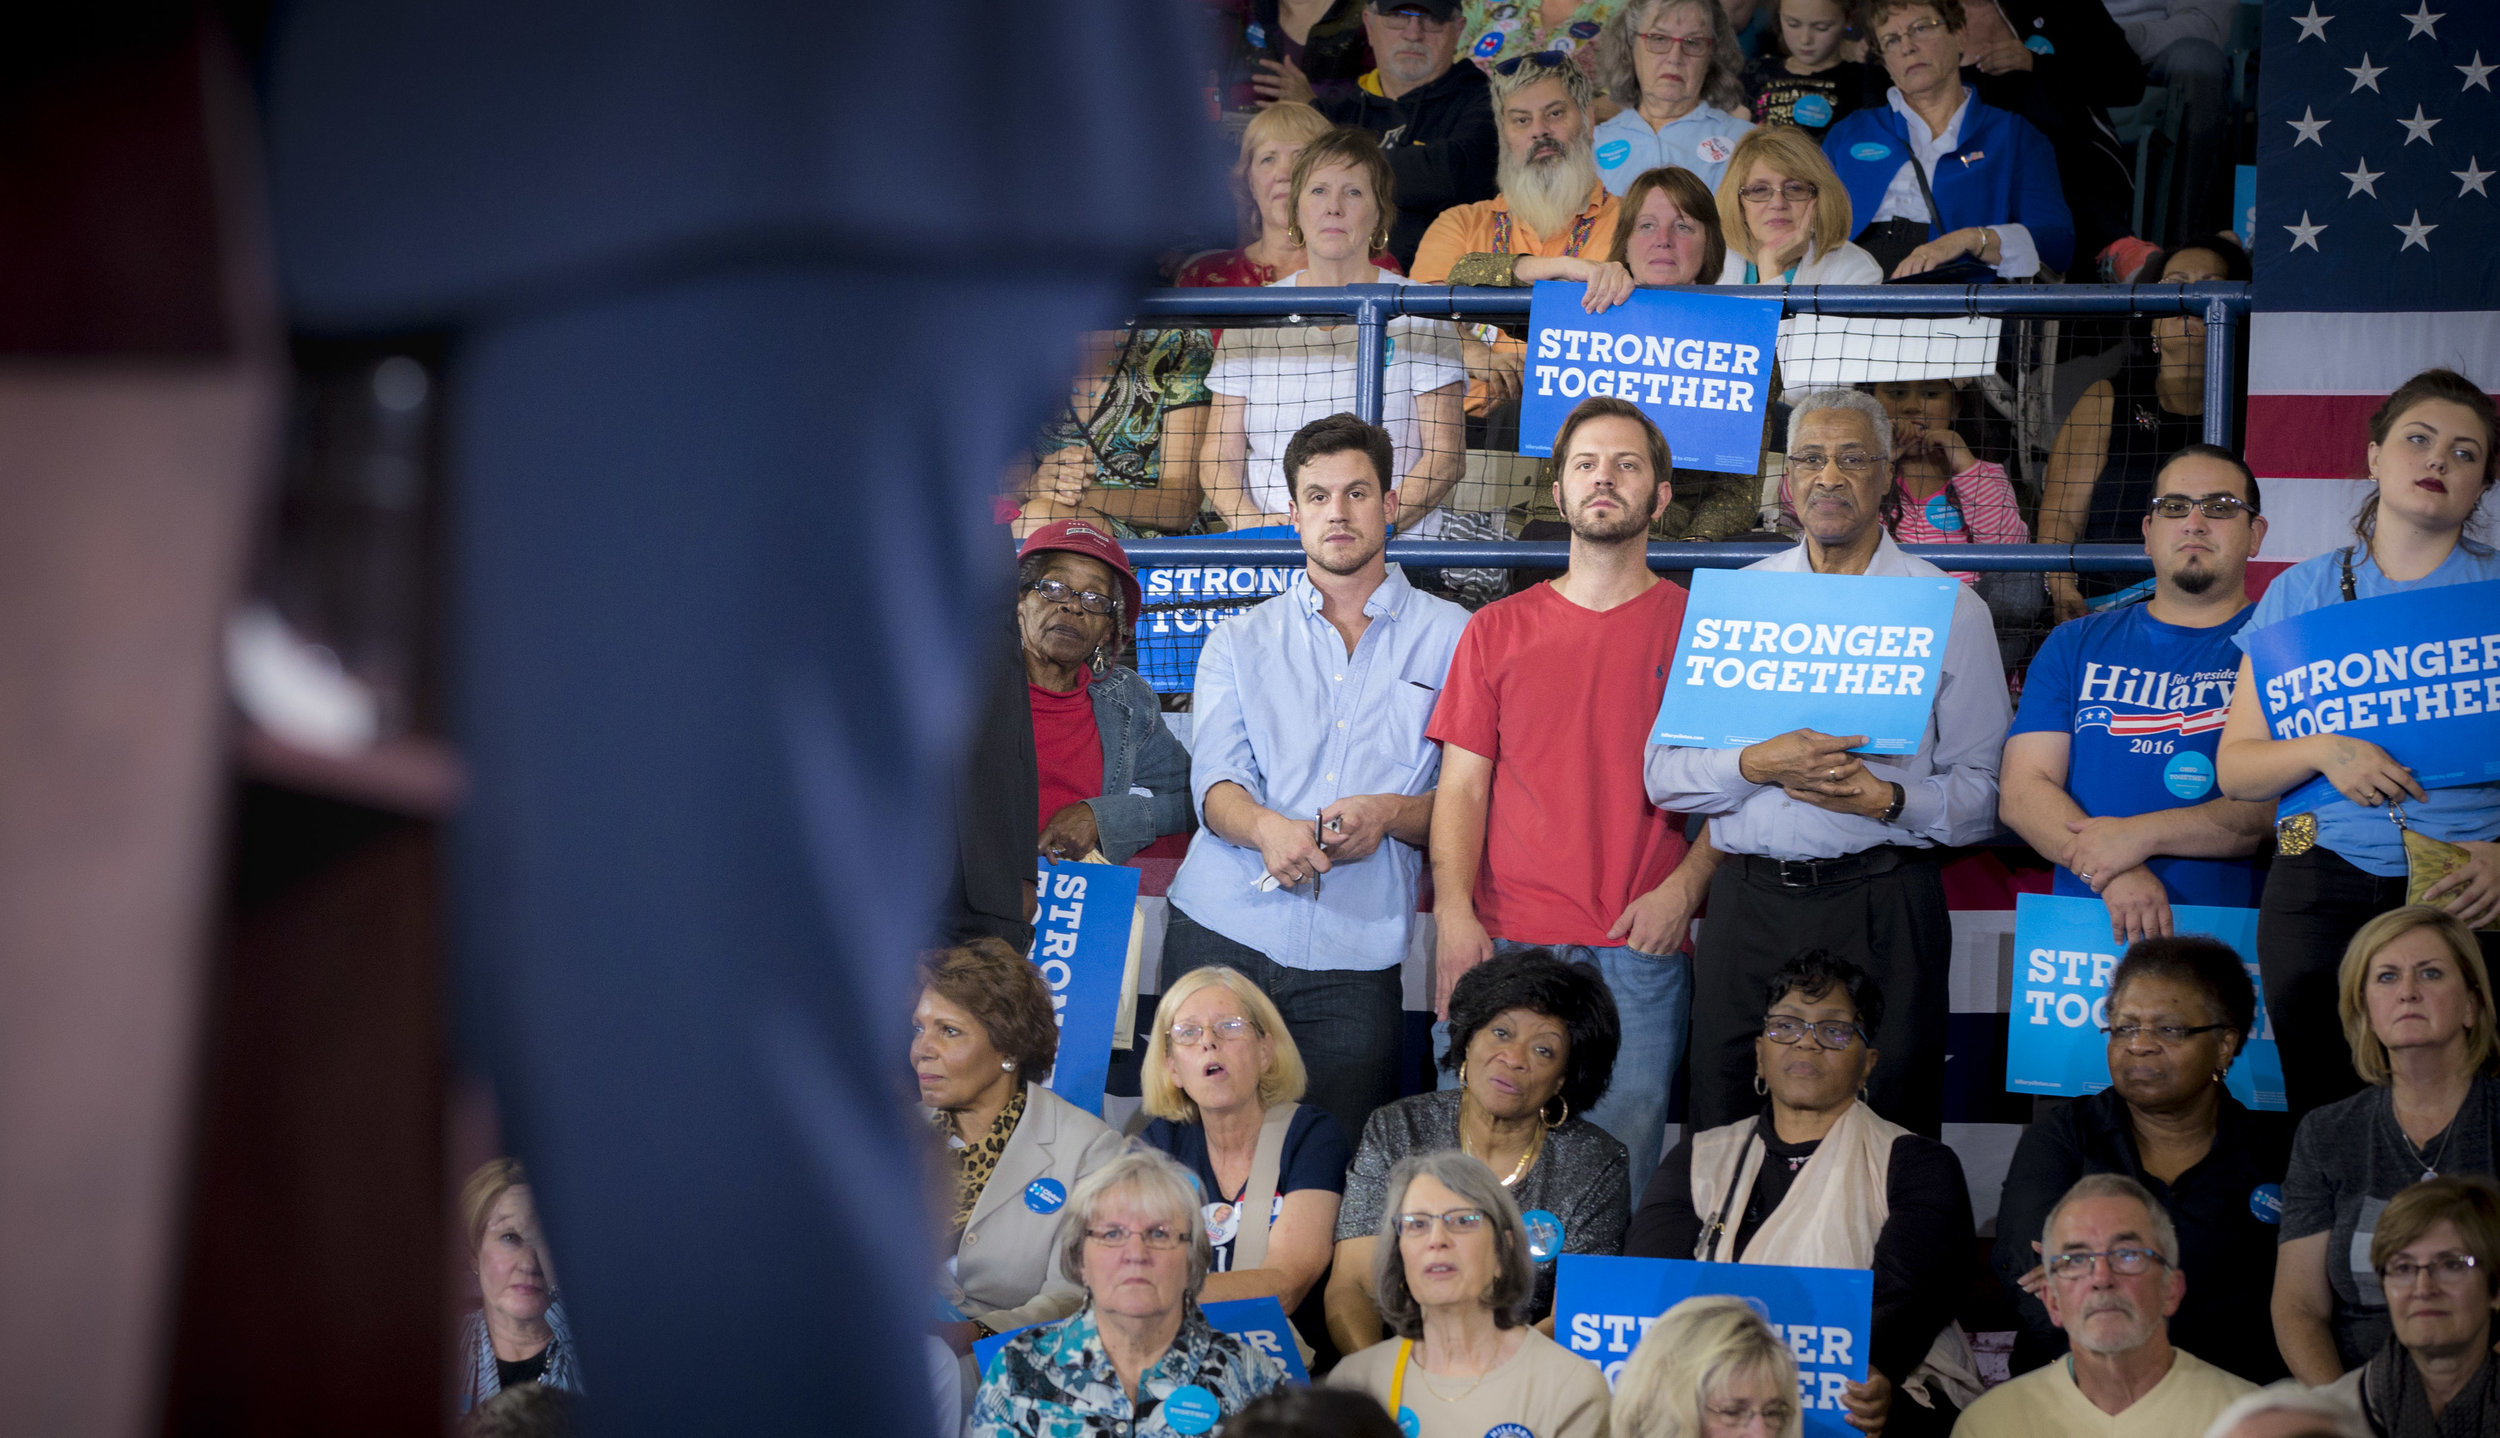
<point x="1828" y="849"/>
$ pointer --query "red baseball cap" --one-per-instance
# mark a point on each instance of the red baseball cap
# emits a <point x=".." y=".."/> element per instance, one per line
<point x="1079" y="536"/>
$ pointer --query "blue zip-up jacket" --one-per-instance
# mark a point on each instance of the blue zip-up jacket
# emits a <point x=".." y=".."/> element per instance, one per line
<point x="2003" y="172"/>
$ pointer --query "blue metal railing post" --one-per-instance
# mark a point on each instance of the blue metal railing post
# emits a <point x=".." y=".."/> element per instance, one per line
<point x="2220" y="347"/>
<point x="1373" y="306"/>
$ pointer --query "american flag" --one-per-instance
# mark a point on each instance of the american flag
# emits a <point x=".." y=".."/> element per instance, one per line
<point x="2377" y="239"/>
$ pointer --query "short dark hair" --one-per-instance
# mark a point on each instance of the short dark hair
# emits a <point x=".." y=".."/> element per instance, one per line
<point x="1879" y="11"/>
<point x="2235" y="267"/>
<point x="2231" y="457"/>
<point x="1690" y="196"/>
<point x="1606" y="406"/>
<point x="2471" y="1202"/>
<point x="1573" y="994"/>
<point x="1005" y="993"/>
<point x="1339" y="433"/>
<point x="1817" y="972"/>
<point x="1294" y="1411"/>
<point x="2208" y="963"/>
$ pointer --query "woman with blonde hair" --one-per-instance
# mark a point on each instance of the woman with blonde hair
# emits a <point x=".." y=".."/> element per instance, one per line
<point x="1787" y="217"/>
<point x="1263" y="177"/>
<point x="1710" y="1367"/>
<point x="2417" y="1010"/>
<point x="518" y="1335"/>
<point x="1224" y="1082"/>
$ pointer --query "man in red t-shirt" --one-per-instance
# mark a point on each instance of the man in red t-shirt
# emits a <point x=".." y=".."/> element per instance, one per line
<point x="1543" y="835"/>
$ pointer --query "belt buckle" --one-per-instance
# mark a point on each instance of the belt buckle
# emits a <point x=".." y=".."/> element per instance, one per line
<point x="1799" y="873"/>
<point x="2296" y="835"/>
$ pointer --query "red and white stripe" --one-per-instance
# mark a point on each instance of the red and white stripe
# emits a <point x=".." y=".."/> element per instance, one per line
<point x="2203" y="720"/>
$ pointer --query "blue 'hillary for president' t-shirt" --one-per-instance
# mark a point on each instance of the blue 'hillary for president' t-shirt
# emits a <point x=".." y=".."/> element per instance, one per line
<point x="2142" y="704"/>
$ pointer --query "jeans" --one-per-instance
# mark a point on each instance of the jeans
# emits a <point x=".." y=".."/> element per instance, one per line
<point x="1654" y="998"/>
<point x="1348" y="1024"/>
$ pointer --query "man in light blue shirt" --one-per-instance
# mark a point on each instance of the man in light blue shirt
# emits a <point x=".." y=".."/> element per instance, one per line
<point x="1681" y="99"/>
<point x="1829" y="850"/>
<point x="1310" y="769"/>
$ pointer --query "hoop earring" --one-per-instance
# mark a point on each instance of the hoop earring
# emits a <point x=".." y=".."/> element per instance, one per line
<point x="1097" y="662"/>
<point x="1760" y="1088"/>
<point x="1462" y="1073"/>
<point x="1555" y="1123"/>
<point x="1862" y="1098"/>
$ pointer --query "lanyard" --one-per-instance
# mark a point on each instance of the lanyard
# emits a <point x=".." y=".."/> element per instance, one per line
<point x="1397" y="1379"/>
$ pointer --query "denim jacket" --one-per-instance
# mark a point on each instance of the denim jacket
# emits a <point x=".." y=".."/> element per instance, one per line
<point x="1138" y="752"/>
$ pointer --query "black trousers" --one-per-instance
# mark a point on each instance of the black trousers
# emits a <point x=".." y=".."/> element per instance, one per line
<point x="2314" y="903"/>
<point x="1892" y="924"/>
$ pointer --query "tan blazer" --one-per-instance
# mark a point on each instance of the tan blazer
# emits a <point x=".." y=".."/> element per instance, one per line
<point x="1007" y="1271"/>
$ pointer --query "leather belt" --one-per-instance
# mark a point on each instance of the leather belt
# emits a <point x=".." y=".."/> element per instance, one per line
<point x="1813" y="873"/>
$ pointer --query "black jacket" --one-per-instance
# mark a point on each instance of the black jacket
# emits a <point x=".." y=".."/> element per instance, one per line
<point x="1441" y="145"/>
<point x="2081" y="68"/>
<point x="2226" y="1248"/>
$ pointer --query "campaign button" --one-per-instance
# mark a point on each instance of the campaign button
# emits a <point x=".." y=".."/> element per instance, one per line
<point x="1045" y="1195"/>
<point x="2039" y="45"/>
<point x="1191" y="1409"/>
<point x="1409" y="1424"/>
<point x="1811" y="110"/>
<point x="1613" y="153"/>
<point x="1715" y="149"/>
<point x="1509" y="1430"/>
<point x="1942" y="513"/>
<point x="2266" y="1201"/>
<point x="1545" y="1234"/>
<point x="1868" y="150"/>
<point x="1490" y="45"/>
<point x="2188" y="775"/>
<point x="1585" y="29"/>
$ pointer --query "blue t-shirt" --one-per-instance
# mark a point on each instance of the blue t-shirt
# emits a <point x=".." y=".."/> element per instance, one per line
<point x="2366" y="838"/>
<point x="1316" y="1155"/>
<point x="2141" y="703"/>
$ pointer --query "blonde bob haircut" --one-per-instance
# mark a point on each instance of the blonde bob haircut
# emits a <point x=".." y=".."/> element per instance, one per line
<point x="1285" y="1079"/>
<point x="1161" y="1186"/>
<point x="2369" y="1055"/>
<point x="1688" y="1357"/>
<point x="486" y="1188"/>
<point x="1287" y="122"/>
<point x="1789" y="153"/>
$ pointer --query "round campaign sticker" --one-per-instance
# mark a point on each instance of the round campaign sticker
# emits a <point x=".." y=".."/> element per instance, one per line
<point x="1613" y="153"/>
<point x="1868" y="150"/>
<point x="1715" y="149"/>
<point x="1942" y="514"/>
<point x="1545" y="1234"/>
<point x="1256" y="35"/>
<point x="2039" y="45"/>
<point x="1508" y="1430"/>
<point x="1223" y="1223"/>
<point x="1811" y="110"/>
<point x="1409" y="1424"/>
<point x="1490" y="45"/>
<point x="2189" y="775"/>
<point x="2266" y="1201"/>
<point x="1585" y="29"/>
<point x="1045" y="1195"/>
<point x="1191" y="1409"/>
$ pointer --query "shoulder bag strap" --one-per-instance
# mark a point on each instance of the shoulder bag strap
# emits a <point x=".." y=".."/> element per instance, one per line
<point x="1258" y="1200"/>
<point x="1935" y="217"/>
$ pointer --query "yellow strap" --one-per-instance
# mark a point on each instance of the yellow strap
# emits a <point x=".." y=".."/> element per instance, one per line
<point x="1397" y="1378"/>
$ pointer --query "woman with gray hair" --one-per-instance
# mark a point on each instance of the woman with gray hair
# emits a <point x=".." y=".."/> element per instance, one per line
<point x="1455" y="1273"/>
<point x="1139" y="1358"/>
<point x="1675" y="67"/>
<point x="1710" y="1367"/>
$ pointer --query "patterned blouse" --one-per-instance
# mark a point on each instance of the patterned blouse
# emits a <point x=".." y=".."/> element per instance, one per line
<point x="1498" y="30"/>
<point x="480" y="1379"/>
<point x="1121" y="428"/>
<point x="1056" y="1381"/>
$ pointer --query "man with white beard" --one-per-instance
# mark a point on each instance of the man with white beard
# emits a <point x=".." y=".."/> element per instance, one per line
<point x="1550" y="202"/>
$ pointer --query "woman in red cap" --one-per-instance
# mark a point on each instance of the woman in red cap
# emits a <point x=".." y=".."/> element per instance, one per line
<point x="1112" y="776"/>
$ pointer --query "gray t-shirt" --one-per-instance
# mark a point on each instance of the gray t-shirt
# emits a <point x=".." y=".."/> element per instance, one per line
<point x="1583" y="1178"/>
<point x="2348" y="1159"/>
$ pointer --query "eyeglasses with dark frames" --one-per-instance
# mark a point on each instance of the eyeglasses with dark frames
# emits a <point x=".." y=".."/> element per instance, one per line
<point x="1160" y="1237"/>
<point x="2214" y="506"/>
<point x="1856" y="464"/>
<point x="1695" y="47"/>
<point x="2167" y="1035"/>
<point x="1795" y="192"/>
<point x="2448" y="1270"/>
<point x="1830" y="1035"/>
<point x="1061" y="592"/>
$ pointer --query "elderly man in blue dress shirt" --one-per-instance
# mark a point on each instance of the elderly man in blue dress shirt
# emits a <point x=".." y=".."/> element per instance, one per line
<point x="1829" y="849"/>
<point x="1313" y="778"/>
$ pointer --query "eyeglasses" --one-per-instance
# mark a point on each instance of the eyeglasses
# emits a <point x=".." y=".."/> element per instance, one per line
<point x="1159" y="1238"/>
<point x="1855" y="463"/>
<point x="1774" y="1414"/>
<point x="2127" y="1261"/>
<point x="1829" y="1035"/>
<point x="2167" y="1035"/>
<point x="2214" y="506"/>
<point x="1542" y="59"/>
<point x="1058" y="592"/>
<point x="1225" y="1031"/>
<point x="1457" y="1221"/>
<point x="2447" y="1270"/>
<point x="1795" y="192"/>
<point x="1921" y="31"/>
<point x="1695" y="47"/>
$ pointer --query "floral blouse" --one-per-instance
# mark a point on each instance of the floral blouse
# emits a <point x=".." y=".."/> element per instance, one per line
<point x="1055" y="1381"/>
<point x="1498" y="30"/>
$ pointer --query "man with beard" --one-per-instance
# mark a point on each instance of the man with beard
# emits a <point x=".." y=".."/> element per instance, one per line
<point x="1310" y="768"/>
<point x="1550" y="201"/>
<point x="2109" y="772"/>
<point x="1433" y="115"/>
<point x="1542" y="837"/>
<point x="2113" y="1282"/>
<point x="1830" y="850"/>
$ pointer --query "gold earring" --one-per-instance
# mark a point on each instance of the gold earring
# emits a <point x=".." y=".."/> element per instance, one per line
<point x="1462" y="1073"/>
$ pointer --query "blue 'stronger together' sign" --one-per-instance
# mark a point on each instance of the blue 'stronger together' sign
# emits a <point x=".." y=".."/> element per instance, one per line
<point x="1602" y="1306"/>
<point x="2417" y="674"/>
<point x="1259" y="1322"/>
<point x="2063" y="958"/>
<point x="1080" y="939"/>
<point x="1169" y="638"/>
<point x="1699" y="365"/>
<point x="1767" y="651"/>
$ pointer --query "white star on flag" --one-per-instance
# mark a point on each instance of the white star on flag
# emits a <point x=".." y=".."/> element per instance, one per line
<point x="2309" y="125"/>
<point x="2416" y="233"/>
<point x="2312" y="25"/>
<point x="2306" y="233"/>
<point x="2363" y="178"/>
<point x="2366" y="74"/>
<point x="2473" y="176"/>
<point x="2423" y="21"/>
<point x="2416" y="128"/>
<point x="2477" y="73"/>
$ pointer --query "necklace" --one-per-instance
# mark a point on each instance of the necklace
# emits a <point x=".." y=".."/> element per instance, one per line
<point x="2430" y="1164"/>
<point x="1461" y="1395"/>
<point x="1536" y="1145"/>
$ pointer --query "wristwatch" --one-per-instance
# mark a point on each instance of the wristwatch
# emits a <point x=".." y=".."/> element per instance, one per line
<point x="1900" y="796"/>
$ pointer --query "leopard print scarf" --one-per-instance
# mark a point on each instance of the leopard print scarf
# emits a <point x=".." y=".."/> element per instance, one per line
<point x="974" y="1163"/>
